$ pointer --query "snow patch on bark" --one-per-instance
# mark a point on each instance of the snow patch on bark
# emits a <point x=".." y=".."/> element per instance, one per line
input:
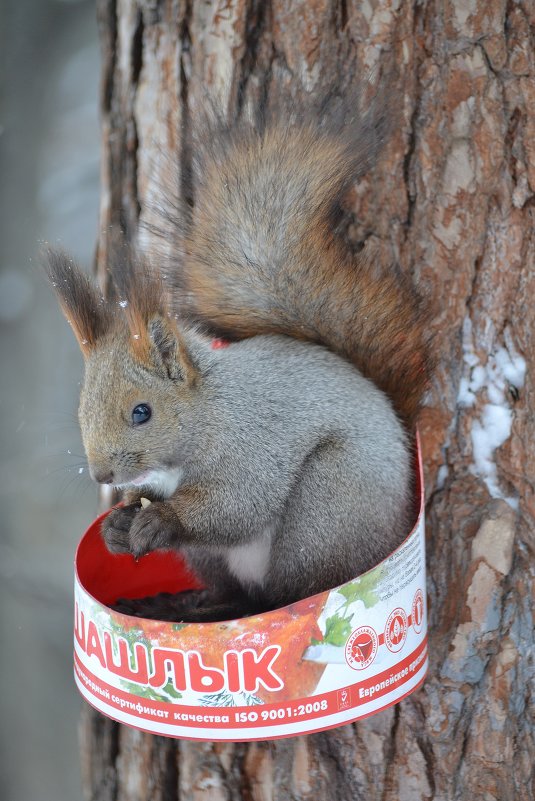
<point x="503" y="373"/>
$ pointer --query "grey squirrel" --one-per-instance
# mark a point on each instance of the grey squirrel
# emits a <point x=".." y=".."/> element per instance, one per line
<point x="280" y="466"/>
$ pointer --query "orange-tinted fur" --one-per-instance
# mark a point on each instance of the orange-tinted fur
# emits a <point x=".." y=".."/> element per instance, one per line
<point x="323" y="293"/>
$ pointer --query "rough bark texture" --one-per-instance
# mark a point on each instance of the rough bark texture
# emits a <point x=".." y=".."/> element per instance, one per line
<point x="452" y="199"/>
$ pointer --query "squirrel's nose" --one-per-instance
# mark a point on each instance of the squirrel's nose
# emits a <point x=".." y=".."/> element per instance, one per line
<point x="102" y="475"/>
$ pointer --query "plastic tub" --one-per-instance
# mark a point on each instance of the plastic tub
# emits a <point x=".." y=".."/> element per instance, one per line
<point x="321" y="662"/>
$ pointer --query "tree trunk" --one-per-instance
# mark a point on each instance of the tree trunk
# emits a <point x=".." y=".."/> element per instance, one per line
<point x="452" y="200"/>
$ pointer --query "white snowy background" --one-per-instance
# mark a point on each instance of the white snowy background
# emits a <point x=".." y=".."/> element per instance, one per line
<point x="49" y="165"/>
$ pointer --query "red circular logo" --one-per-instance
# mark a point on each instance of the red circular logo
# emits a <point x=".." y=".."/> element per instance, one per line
<point x="361" y="647"/>
<point x="417" y="612"/>
<point x="396" y="630"/>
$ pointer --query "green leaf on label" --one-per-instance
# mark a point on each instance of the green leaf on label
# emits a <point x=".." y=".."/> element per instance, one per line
<point x="170" y="690"/>
<point x="363" y="589"/>
<point x="337" y="630"/>
<point x="167" y="693"/>
<point x="351" y="592"/>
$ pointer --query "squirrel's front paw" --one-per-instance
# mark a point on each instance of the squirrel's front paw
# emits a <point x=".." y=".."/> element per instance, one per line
<point x="137" y="530"/>
<point x="116" y="528"/>
<point x="155" y="526"/>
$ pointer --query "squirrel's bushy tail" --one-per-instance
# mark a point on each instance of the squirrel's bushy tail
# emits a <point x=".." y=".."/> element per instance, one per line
<point x="262" y="256"/>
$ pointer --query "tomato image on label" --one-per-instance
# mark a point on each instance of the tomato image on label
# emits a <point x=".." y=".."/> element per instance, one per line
<point x="396" y="630"/>
<point x="361" y="647"/>
<point x="417" y="613"/>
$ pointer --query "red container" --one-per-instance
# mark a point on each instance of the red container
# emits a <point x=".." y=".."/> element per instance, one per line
<point x="326" y="660"/>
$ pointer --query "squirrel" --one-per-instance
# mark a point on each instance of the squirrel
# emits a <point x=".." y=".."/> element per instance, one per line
<point x="280" y="465"/>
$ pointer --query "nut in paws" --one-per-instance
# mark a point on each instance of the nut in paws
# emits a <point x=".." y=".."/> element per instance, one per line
<point x="153" y="527"/>
<point x="132" y="529"/>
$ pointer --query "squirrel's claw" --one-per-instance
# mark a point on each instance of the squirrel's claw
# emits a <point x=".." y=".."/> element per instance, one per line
<point x="132" y="529"/>
<point x="116" y="528"/>
<point x="152" y="528"/>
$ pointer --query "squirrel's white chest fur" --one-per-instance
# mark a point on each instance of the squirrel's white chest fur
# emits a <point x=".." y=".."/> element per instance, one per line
<point x="250" y="562"/>
<point x="159" y="481"/>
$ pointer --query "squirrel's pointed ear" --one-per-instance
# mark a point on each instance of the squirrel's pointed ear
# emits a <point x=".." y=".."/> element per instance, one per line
<point x="81" y="302"/>
<point x="169" y="350"/>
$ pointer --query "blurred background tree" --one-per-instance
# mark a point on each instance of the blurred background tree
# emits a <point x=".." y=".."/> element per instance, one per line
<point x="49" y="188"/>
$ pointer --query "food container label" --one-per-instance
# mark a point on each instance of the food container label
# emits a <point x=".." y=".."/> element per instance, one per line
<point x="318" y="663"/>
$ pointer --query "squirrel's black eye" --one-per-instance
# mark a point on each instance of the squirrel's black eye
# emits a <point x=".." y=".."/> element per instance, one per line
<point x="141" y="413"/>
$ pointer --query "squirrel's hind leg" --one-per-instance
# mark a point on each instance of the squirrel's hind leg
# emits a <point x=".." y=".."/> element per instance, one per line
<point x="190" y="606"/>
<point x="336" y="525"/>
<point x="163" y="606"/>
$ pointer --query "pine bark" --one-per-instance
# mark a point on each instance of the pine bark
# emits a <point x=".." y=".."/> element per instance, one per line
<point x="452" y="201"/>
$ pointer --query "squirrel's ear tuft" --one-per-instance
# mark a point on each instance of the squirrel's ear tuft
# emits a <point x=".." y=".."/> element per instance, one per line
<point x="169" y="350"/>
<point x="155" y="338"/>
<point x="81" y="302"/>
<point x="140" y="295"/>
